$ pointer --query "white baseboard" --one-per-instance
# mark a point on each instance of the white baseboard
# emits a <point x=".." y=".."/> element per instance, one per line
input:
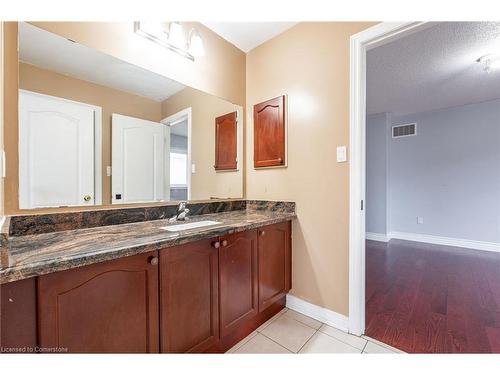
<point x="447" y="241"/>
<point x="377" y="237"/>
<point x="326" y="316"/>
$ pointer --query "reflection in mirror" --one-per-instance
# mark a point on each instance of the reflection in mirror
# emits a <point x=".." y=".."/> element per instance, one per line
<point x="96" y="130"/>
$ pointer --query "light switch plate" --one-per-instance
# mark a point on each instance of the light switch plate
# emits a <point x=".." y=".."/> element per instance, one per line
<point x="193" y="168"/>
<point x="420" y="220"/>
<point x="341" y="154"/>
<point x="108" y="171"/>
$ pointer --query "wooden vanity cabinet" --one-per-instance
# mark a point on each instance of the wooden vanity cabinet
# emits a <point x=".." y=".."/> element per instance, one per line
<point x="269" y="133"/>
<point x="108" y="307"/>
<point x="275" y="263"/>
<point x="202" y="296"/>
<point x="226" y="142"/>
<point x="238" y="280"/>
<point x="189" y="297"/>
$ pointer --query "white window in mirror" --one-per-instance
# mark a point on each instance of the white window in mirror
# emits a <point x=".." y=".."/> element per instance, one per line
<point x="178" y="169"/>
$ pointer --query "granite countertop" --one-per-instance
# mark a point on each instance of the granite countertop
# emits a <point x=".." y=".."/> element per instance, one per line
<point x="33" y="255"/>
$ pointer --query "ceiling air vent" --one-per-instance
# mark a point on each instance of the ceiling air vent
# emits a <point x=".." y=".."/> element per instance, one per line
<point x="405" y="130"/>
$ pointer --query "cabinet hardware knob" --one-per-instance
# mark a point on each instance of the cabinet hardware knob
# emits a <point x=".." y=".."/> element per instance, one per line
<point x="87" y="198"/>
<point x="224" y="243"/>
<point x="153" y="261"/>
<point x="262" y="232"/>
<point x="216" y="244"/>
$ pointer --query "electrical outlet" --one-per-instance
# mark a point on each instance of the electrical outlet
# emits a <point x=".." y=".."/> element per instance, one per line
<point x="420" y="220"/>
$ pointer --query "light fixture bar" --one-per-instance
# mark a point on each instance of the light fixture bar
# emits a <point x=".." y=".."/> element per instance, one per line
<point x="163" y="43"/>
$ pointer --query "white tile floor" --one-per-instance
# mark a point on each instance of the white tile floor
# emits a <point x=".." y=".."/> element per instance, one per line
<point x="291" y="332"/>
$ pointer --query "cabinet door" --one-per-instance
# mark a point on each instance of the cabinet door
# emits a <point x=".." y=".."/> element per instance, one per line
<point x="237" y="279"/>
<point x="189" y="297"/>
<point x="109" y="307"/>
<point x="269" y="133"/>
<point x="225" y="142"/>
<point x="274" y="263"/>
<point x="18" y="315"/>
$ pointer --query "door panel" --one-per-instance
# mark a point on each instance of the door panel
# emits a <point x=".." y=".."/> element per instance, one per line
<point x="269" y="133"/>
<point x="226" y="142"/>
<point x="237" y="280"/>
<point x="274" y="263"/>
<point x="140" y="160"/>
<point x="18" y="314"/>
<point x="109" y="307"/>
<point x="189" y="297"/>
<point x="56" y="152"/>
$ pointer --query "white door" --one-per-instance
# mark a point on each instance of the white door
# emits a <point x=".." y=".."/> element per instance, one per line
<point x="56" y="152"/>
<point x="140" y="160"/>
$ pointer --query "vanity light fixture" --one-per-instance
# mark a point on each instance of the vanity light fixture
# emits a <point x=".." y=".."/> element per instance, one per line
<point x="174" y="39"/>
<point x="489" y="62"/>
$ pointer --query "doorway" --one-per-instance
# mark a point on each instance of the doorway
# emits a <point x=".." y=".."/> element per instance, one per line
<point x="359" y="45"/>
<point x="423" y="290"/>
<point x="180" y="154"/>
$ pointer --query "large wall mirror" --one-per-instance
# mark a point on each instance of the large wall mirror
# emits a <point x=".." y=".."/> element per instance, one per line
<point x="95" y="130"/>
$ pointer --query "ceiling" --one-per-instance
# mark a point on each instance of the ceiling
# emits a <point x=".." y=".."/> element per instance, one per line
<point x="248" y="35"/>
<point x="433" y="68"/>
<point x="53" y="52"/>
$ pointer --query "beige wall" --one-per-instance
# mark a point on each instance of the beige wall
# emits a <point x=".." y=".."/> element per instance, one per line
<point x="111" y="101"/>
<point x="10" y="116"/>
<point x="205" y="108"/>
<point x="309" y="63"/>
<point x="221" y="72"/>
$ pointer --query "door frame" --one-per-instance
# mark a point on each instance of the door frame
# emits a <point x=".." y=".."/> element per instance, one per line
<point x="360" y="43"/>
<point x="97" y="140"/>
<point x="172" y="119"/>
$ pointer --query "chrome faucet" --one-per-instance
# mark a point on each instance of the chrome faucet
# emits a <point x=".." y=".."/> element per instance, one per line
<point x="181" y="214"/>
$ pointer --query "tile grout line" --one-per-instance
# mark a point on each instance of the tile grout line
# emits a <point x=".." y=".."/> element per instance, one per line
<point x="295" y="320"/>
<point x="304" y="324"/>
<point x="342" y="341"/>
<point x="273" y="341"/>
<point x="309" y="339"/>
<point x="364" y="346"/>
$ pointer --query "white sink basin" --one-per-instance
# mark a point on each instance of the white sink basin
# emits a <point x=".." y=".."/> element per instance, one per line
<point x="193" y="225"/>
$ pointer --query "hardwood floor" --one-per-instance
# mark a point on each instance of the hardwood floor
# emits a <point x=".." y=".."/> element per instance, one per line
<point x="424" y="298"/>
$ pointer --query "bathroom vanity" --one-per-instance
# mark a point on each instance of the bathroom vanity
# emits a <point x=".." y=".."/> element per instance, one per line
<point x="136" y="287"/>
<point x="99" y="157"/>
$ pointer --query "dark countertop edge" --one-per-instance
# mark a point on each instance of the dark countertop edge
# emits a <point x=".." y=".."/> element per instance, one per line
<point x="10" y="274"/>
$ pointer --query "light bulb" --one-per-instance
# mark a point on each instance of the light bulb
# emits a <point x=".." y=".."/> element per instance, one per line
<point x="176" y="35"/>
<point x="196" y="44"/>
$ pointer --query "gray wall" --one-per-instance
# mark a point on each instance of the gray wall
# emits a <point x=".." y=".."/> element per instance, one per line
<point x="377" y="133"/>
<point x="449" y="174"/>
